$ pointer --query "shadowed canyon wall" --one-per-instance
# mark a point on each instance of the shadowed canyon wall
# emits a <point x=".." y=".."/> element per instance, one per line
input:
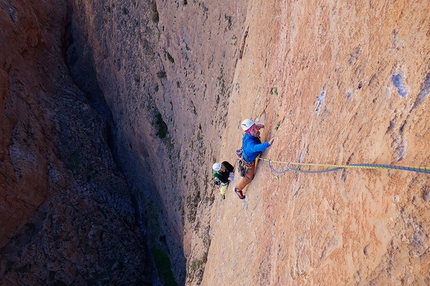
<point x="166" y="82"/>
<point x="128" y="102"/>
<point x="66" y="212"/>
<point x="112" y="114"/>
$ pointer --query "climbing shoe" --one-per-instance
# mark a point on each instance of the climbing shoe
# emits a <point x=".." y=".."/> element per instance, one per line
<point x="239" y="194"/>
<point x="223" y="196"/>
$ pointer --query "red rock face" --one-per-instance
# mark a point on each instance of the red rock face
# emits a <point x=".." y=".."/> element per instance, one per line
<point x="348" y="76"/>
<point x="166" y="85"/>
<point x="24" y="136"/>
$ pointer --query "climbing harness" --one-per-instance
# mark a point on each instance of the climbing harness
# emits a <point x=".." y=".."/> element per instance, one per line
<point x="296" y="167"/>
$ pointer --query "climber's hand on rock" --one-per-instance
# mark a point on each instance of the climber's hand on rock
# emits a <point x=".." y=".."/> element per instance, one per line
<point x="271" y="141"/>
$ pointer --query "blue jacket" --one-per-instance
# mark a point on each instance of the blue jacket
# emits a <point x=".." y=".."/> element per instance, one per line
<point x="252" y="146"/>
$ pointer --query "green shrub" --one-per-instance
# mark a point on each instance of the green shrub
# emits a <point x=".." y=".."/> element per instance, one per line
<point x="155" y="17"/>
<point x="161" y="125"/>
<point x="161" y="74"/>
<point x="164" y="267"/>
<point x="170" y="58"/>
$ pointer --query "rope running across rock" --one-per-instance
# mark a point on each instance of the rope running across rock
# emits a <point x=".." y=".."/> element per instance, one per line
<point x="296" y="167"/>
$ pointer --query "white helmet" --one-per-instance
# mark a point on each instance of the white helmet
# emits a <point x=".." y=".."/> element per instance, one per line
<point x="216" y="166"/>
<point x="246" y="124"/>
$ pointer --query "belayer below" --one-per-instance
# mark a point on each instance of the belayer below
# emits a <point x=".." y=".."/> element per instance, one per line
<point x="223" y="174"/>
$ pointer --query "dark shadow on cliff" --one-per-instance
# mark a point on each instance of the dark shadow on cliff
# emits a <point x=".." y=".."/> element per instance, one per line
<point x="79" y="59"/>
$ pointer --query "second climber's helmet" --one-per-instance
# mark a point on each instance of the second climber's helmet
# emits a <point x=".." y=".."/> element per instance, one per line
<point x="216" y="166"/>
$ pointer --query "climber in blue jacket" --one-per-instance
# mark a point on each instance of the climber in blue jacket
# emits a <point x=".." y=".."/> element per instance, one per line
<point x="252" y="147"/>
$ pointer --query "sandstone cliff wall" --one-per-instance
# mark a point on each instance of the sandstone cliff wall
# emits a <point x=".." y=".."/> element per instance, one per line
<point x="352" y="85"/>
<point x="113" y="113"/>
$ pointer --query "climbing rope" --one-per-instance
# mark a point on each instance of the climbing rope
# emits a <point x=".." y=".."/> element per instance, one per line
<point x="296" y="167"/>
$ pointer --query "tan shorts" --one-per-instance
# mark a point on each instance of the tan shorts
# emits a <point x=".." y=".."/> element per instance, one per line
<point x="249" y="176"/>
